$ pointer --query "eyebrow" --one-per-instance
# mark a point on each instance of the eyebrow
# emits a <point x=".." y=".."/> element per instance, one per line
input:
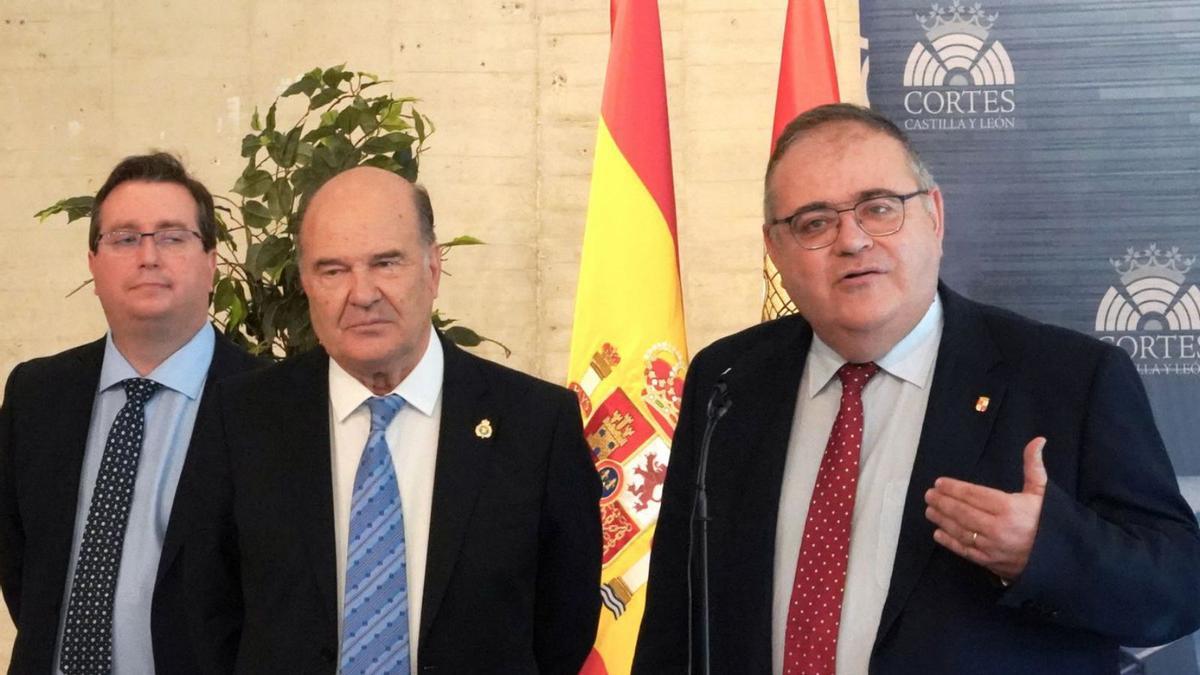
<point x="389" y="255"/>
<point x="858" y="197"/>
<point x="375" y="257"/>
<point x="160" y="225"/>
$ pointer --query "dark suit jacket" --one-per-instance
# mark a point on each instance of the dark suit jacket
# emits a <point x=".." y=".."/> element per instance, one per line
<point x="43" y="430"/>
<point x="1116" y="558"/>
<point x="513" y="564"/>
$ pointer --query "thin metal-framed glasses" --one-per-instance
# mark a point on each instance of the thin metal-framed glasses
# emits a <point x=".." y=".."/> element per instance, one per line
<point x="123" y="242"/>
<point x="817" y="228"/>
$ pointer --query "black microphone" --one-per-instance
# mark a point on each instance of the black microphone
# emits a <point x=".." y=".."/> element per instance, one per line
<point x="719" y="403"/>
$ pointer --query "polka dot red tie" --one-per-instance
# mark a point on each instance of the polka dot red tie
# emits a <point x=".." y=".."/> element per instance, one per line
<point x="814" y="614"/>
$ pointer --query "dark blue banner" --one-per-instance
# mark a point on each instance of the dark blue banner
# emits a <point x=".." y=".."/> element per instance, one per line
<point x="1066" y="139"/>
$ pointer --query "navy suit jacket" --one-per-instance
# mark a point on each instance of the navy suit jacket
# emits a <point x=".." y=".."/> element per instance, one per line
<point x="1116" y="559"/>
<point x="43" y="431"/>
<point x="513" y="560"/>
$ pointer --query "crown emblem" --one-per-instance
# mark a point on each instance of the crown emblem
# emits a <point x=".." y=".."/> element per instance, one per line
<point x="955" y="18"/>
<point x="664" y="372"/>
<point x="1152" y="262"/>
<point x="605" y="360"/>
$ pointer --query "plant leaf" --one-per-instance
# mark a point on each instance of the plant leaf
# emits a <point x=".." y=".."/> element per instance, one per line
<point x="324" y="98"/>
<point x="464" y="240"/>
<point x="305" y="85"/>
<point x="465" y="337"/>
<point x="74" y="207"/>
<point x="335" y="75"/>
<point x="418" y="124"/>
<point x="250" y="145"/>
<point x="255" y="214"/>
<point x="279" y="199"/>
<point x="319" y="133"/>
<point x="253" y="183"/>
<point x="291" y="145"/>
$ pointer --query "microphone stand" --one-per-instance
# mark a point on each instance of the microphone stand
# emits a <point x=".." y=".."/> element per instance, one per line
<point x="699" y="636"/>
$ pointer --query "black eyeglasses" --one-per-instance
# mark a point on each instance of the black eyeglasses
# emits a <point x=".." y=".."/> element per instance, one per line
<point x="878" y="216"/>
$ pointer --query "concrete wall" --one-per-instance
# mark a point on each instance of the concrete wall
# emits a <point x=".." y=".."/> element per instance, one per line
<point x="514" y="89"/>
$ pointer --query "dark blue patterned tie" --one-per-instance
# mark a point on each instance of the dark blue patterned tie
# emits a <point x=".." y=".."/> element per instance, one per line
<point x="375" y="612"/>
<point x="87" y="637"/>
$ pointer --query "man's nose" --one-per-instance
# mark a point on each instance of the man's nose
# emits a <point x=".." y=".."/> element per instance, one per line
<point x="363" y="289"/>
<point x="850" y="237"/>
<point x="147" y="252"/>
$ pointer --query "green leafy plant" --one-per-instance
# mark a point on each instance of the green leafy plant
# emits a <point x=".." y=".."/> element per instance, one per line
<point x="345" y="121"/>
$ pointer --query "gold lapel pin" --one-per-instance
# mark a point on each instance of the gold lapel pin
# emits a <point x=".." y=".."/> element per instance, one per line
<point x="484" y="428"/>
<point x="981" y="403"/>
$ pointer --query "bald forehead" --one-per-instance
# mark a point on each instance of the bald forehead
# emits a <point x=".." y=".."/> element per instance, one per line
<point x="363" y="182"/>
<point x="361" y="192"/>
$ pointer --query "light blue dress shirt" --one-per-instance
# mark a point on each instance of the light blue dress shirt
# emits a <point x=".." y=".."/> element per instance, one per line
<point x="170" y="414"/>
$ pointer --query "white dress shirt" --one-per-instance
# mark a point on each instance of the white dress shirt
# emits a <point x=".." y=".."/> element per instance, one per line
<point x="894" y="402"/>
<point x="412" y="438"/>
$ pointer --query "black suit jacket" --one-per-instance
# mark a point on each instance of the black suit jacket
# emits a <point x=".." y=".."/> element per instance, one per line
<point x="1117" y="554"/>
<point x="43" y="432"/>
<point x="513" y="560"/>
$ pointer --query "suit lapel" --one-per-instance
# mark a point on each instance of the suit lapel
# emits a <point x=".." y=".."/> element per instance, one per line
<point x="66" y="440"/>
<point x="226" y="360"/>
<point x="309" y="466"/>
<point x="953" y="436"/>
<point x="745" y="480"/>
<point x="457" y="476"/>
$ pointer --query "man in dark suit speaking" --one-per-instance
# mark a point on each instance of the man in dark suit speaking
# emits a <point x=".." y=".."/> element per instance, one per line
<point x="94" y="442"/>
<point x="388" y="503"/>
<point x="908" y="481"/>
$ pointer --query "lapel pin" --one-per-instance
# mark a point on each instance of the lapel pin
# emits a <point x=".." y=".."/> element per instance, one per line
<point x="981" y="404"/>
<point x="484" y="428"/>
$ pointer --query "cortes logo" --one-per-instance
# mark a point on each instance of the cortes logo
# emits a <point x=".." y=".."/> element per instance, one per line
<point x="1153" y="314"/>
<point x="961" y="77"/>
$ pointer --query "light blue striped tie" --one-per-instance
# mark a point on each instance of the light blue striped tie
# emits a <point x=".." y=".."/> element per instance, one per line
<point x="375" y="613"/>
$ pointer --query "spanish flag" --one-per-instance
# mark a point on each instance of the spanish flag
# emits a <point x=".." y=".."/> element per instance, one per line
<point x="807" y="79"/>
<point x="628" y="353"/>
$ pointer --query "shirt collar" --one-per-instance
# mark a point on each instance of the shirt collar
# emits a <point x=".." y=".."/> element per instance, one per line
<point x="419" y="390"/>
<point x="911" y="359"/>
<point x="184" y="371"/>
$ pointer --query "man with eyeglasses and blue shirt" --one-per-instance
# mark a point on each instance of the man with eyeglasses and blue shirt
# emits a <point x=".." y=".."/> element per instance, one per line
<point x="907" y="481"/>
<point x="94" y="441"/>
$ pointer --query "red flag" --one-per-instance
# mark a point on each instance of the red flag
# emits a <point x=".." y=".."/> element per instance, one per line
<point x="807" y="79"/>
<point x="807" y="76"/>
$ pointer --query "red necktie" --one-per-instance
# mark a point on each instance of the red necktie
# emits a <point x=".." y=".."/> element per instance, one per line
<point x="810" y="646"/>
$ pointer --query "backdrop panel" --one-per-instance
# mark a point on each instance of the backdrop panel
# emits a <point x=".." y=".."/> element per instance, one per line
<point x="1066" y="139"/>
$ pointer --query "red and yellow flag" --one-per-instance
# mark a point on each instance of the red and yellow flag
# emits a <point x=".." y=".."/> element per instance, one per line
<point x="807" y="79"/>
<point x="628" y="352"/>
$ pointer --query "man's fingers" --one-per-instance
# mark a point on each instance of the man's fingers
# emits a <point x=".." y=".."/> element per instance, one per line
<point x="958" y="547"/>
<point x="1035" y="469"/>
<point x="986" y="499"/>
<point x="954" y="515"/>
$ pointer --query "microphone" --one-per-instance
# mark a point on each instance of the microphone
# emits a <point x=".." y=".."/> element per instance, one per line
<point x="719" y="403"/>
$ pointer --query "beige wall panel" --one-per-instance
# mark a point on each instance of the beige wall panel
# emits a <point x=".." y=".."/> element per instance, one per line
<point x="513" y="87"/>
